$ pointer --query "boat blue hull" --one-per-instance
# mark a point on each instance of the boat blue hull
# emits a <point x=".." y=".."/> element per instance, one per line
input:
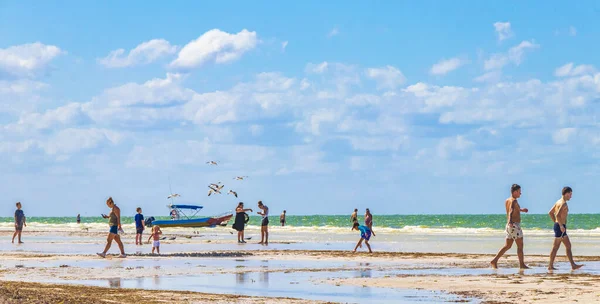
<point x="194" y="223"/>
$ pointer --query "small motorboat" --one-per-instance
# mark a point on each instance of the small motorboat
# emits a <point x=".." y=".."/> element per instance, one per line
<point x="179" y="218"/>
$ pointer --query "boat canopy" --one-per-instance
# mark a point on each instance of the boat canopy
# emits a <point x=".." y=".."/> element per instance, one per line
<point x="193" y="207"/>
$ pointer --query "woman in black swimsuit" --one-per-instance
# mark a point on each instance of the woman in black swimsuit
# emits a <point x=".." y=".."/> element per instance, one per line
<point x="241" y="218"/>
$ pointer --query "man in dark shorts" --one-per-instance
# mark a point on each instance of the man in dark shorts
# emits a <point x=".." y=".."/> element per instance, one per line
<point x="19" y="222"/>
<point x="264" y="224"/>
<point x="139" y="226"/>
<point x="558" y="214"/>
<point x="282" y="218"/>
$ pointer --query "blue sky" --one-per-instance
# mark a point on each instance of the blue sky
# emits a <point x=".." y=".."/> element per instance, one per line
<point x="401" y="107"/>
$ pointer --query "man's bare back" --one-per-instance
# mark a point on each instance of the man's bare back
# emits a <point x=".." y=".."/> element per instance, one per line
<point x="560" y="211"/>
<point x="515" y="217"/>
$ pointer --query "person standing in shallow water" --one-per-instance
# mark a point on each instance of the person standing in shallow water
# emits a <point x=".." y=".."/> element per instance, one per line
<point x="369" y="221"/>
<point x="513" y="230"/>
<point x="114" y="221"/>
<point x="558" y="214"/>
<point x="282" y="218"/>
<point x="139" y="226"/>
<point x="264" y="223"/>
<point x="354" y="216"/>
<point x="78" y="218"/>
<point x="20" y="221"/>
<point x="240" y="221"/>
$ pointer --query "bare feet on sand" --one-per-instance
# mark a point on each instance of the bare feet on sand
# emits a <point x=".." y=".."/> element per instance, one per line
<point x="494" y="264"/>
<point x="575" y="267"/>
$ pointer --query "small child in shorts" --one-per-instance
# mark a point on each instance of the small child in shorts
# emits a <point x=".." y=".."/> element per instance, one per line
<point x="156" y="232"/>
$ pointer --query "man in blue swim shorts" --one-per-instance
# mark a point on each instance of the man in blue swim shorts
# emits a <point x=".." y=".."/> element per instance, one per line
<point x="365" y="235"/>
<point x="558" y="214"/>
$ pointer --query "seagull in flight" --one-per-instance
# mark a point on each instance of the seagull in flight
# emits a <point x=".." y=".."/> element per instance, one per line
<point x="212" y="162"/>
<point x="173" y="196"/>
<point x="240" y="177"/>
<point x="232" y="192"/>
<point x="215" y="188"/>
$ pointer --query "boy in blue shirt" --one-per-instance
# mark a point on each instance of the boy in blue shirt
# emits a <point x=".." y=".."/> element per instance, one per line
<point x="365" y="235"/>
<point x="139" y="226"/>
<point x="19" y="222"/>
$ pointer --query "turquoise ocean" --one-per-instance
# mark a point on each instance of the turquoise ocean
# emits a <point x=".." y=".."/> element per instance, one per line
<point x="488" y="221"/>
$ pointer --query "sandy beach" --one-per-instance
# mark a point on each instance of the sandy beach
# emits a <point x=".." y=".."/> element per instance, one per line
<point x="292" y="276"/>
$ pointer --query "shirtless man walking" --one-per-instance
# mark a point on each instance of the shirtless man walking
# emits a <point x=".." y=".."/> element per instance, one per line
<point x="558" y="214"/>
<point x="514" y="233"/>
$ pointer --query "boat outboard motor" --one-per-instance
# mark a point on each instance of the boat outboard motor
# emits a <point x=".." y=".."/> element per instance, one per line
<point x="149" y="221"/>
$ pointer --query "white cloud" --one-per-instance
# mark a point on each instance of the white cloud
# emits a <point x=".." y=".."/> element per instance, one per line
<point x="446" y="65"/>
<point x="215" y="46"/>
<point x="457" y="145"/>
<point x="514" y="55"/>
<point x="66" y="115"/>
<point x="144" y="53"/>
<point x="570" y="70"/>
<point x="572" y="31"/>
<point x="284" y="45"/>
<point x="493" y="76"/>
<point x="256" y="130"/>
<point x="387" y="77"/>
<point x="72" y="140"/>
<point x="562" y="136"/>
<point x="317" y="68"/>
<point x="503" y="30"/>
<point x="334" y="32"/>
<point x="27" y="60"/>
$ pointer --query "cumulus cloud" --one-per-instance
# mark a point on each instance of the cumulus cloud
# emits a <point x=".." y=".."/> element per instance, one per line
<point x="144" y="53"/>
<point x="445" y="66"/>
<point x="215" y="46"/>
<point x="562" y="136"/>
<point x="457" y="145"/>
<point x="387" y="77"/>
<point x="503" y="30"/>
<point x="27" y="60"/>
<point x="284" y="45"/>
<point x="515" y="55"/>
<point x="570" y="70"/>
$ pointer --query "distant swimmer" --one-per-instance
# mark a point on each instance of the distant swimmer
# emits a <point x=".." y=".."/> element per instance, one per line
<point x="78" y="218"/>
<point x="240" y="177"/>
<point x="558" y="214"/>
<point x="232" y="192"/>
<point x="365" y="235"/>
<point x="369" y="221"/>
<point x="354" y="216"/>
<point x="513" y="230"/>
<point x="212" y="162"/>
<point x="282" y="218"/>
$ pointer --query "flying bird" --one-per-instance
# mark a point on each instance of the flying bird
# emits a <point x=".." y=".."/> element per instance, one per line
<point x="215" y="188"/>
<point x="232" y="192"/>
<point x="173" y="196"/>
<point x="212" y="162"/>
<point x="240" y="177"/>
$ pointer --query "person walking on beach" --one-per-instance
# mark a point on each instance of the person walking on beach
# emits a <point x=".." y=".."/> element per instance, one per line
<point x="264" y="223"/>
<point x="156" y="232"/>
<point x="369" y="221"/>
<point x="20" y="221"/>
<point x="139" y="226"/>
<point x="354" y="216"/>
<point x="114" y="221"/>
<point x="513" y="230"/>
<point x="558" y="214"/>
<point x="282" y="218"/>
<point x="78" y="218"/>
<point x="240" y="221"/>
<point x="365" y="235"/>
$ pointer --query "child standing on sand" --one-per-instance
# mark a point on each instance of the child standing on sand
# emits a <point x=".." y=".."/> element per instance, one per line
<point x="365" y="235"/>
<point x="19" y="222"/>
<point x="156" y="232"/>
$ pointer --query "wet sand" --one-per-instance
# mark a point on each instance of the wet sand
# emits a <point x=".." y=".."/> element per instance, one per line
<point x="26" y="292"/>
<point x="54" y="278"/>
